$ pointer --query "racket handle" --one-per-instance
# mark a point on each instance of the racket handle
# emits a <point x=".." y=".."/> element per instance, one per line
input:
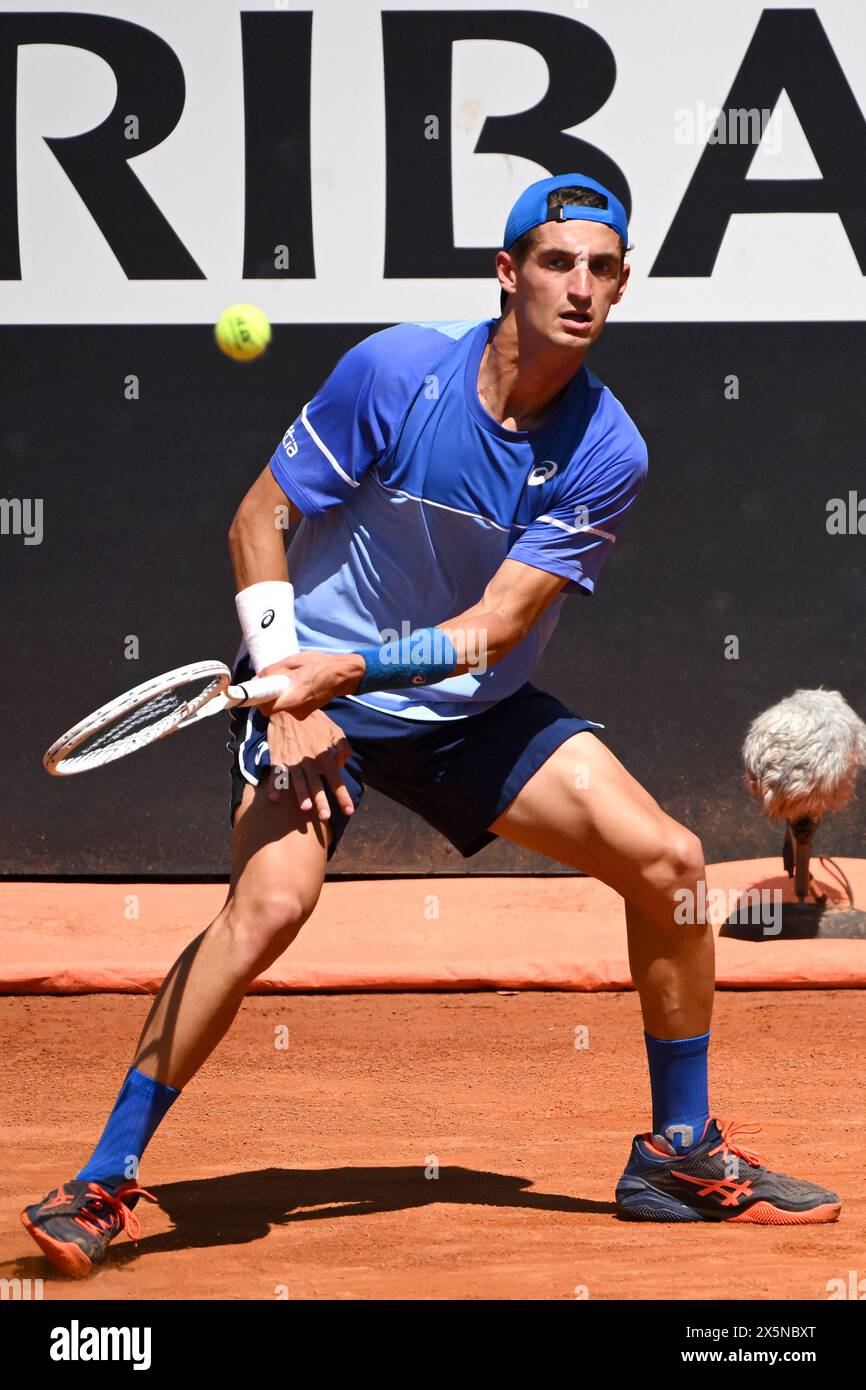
<point x="257" y="691"/>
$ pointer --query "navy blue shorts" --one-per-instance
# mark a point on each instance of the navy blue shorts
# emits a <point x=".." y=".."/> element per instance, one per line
<point x="457" y="775"/>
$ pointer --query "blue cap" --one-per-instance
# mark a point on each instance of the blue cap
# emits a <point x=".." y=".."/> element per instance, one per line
<point x="530" y="210"/>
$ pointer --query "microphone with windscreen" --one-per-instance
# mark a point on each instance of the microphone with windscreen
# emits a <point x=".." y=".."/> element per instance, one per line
<point x="801" y="758"/>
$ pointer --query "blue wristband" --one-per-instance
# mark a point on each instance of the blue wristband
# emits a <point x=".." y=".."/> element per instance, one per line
<point x="423" y="657"/>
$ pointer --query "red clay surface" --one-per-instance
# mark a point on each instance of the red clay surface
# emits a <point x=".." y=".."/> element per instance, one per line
<point x="301" y="1172"/>
<point x="403" y="934"/>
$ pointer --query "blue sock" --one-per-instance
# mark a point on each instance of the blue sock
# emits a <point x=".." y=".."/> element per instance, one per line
<point x="139" y="1107"/>
<point x="678" y="1079"/>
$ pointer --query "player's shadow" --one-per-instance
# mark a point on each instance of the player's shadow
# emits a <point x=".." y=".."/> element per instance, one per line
<point x="242" y="1207"/>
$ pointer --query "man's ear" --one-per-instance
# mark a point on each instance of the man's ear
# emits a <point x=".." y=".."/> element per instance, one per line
<point x="623" y="281"/>
<point x="504" y="266"/>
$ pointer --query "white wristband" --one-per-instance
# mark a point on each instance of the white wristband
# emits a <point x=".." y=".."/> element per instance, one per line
<point x="266" y="613"/>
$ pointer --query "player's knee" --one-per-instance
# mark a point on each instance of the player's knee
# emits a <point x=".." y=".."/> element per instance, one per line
<point x="674" y="863"/>
<point x="682" y="860"/>
<point x="264" y="924"/>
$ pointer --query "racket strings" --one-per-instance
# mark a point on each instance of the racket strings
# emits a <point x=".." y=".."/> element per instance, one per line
<point x="142" y="723"/>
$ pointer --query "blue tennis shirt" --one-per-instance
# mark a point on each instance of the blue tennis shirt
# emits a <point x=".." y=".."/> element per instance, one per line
<point x="413" y="495"/>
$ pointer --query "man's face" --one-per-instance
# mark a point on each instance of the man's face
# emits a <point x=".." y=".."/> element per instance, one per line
<point x="571" y="277"/>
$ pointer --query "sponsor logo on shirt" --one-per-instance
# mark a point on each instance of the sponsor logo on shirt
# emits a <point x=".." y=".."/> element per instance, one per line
<point x="542" y="472"/>
<point x="289" y="444"/>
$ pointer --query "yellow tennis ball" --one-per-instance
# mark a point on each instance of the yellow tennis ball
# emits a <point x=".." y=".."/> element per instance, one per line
<point x="242" y="332"/>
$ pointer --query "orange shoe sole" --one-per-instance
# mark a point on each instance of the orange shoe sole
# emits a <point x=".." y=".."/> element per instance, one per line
<point x="63" y="1254"/>
<point x="765" y="1214"/>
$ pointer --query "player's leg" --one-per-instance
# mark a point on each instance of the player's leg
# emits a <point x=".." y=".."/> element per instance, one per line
<point x="278" y="867"/>
<point x="583" y="808"/>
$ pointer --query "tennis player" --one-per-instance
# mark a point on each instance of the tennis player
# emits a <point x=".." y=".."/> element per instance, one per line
<point x="454" y="483"/>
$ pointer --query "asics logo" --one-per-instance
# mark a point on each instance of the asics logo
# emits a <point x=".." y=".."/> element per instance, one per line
<point x="542" y="472"/>
<point x="726" y="1189"/>
<point x="61" y="1198"/>
<point x="268" y="618"/>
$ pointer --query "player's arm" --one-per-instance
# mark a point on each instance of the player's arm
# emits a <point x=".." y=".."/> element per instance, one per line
<point x="304" y="756"/>
<point x="565" y="546"/>
<point x="264" y="599"/>
<point x="512" y="603"/>
<point x="257" y="535"/>
<point x="514" y="599"/>
<point x="322" y="457"/>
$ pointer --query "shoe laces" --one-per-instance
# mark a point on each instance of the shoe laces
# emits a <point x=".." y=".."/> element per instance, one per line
<point x="731" y="1145"/>
<point x="103" y="1208"/>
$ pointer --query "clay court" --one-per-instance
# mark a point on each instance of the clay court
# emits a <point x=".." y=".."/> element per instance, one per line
<point x="302" y="1173"/>
<point x="299" y="1171"/>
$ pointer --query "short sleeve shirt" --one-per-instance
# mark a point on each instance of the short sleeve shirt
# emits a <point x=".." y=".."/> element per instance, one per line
<point x="413" y="495"/>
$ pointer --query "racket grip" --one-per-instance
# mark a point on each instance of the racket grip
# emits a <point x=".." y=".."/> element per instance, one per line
<point x="257" y="691"/>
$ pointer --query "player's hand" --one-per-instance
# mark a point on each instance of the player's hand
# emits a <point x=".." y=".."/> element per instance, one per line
<point x="316" y="679"/>
<point x="306" y="757"/>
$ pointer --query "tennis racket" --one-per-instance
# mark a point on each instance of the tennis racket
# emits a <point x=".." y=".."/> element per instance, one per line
<point x="153" y="710"/>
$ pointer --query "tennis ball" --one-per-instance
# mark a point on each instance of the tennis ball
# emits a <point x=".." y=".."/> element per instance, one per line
<point x="242" y="332"/>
